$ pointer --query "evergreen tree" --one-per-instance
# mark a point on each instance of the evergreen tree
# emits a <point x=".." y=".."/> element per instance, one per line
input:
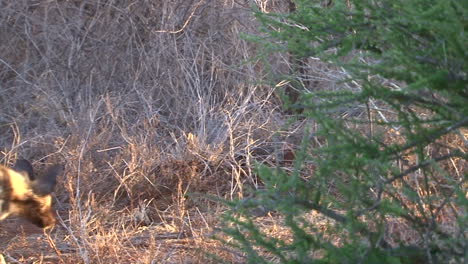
<point x="373" y="171"/>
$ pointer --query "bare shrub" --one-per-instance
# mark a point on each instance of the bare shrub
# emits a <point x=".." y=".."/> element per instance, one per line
<point x="146" y="103"/>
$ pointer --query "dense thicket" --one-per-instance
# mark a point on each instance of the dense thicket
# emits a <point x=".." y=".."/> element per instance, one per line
<point x="387" y="151"/>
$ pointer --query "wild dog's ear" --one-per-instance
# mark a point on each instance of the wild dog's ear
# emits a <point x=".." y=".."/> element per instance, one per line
<point x="45" y="184"/>
<point x="25" y="168"/>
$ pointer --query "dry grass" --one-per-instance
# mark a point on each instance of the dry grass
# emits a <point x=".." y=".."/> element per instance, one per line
<point x="147" y="104"/>
<point x="151" y="106"/>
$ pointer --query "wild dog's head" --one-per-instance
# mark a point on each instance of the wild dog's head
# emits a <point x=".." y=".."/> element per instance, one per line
<point x="24" y="194"/>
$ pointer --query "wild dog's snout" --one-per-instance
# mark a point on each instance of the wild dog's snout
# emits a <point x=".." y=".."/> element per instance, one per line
<point x="28" y="195"/>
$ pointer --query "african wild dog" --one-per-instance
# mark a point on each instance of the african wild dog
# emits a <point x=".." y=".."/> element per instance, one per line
<point x="23" y="194"/>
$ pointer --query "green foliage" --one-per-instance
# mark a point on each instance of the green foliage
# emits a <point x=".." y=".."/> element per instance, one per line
<point x="365" y="182"/>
